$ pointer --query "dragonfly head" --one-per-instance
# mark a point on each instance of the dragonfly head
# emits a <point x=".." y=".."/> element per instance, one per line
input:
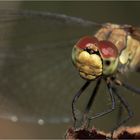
<point x="94" y="58"/>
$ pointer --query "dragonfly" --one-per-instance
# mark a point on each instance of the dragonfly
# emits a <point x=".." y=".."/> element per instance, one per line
<point x="31" y="86"/>
<point x="112" y="51"/>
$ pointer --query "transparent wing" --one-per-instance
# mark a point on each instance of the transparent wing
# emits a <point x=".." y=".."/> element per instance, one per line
<point x="37" y="78"/>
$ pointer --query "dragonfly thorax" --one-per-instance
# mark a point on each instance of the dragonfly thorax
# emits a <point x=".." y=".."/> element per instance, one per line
<point x="94" y="58"/>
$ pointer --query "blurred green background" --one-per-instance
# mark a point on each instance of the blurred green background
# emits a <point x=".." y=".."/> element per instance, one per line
<point x="60" y="79"/>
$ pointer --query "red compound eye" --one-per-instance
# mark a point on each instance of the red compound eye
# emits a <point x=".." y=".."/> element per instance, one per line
<point x="85" y="41"/>
<point x="108" y="49"/>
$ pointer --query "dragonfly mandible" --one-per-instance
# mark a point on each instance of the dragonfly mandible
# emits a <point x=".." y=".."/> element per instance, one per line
<point x="112" y="51"/>
<point x="30" y="74"/>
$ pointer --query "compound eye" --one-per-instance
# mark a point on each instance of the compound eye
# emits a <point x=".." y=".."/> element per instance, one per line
<point x="107" y="49"/>
<point x="86" y="41"/>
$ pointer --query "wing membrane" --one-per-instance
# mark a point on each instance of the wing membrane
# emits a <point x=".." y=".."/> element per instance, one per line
<point x="36" y="73"/>
<point x="62" y="18"/>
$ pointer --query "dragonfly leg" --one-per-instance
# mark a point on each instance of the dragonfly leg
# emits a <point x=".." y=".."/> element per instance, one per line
<point x="120" y="106"/>
<point x="124" y="103"/>
<point x="77" y="95"/>
<point x="119" y="113"/>
<point x="110" y="109"/>
<point x="90" y="102"/>
<point x="130" y="87"/>
<point x="127" y="86"/>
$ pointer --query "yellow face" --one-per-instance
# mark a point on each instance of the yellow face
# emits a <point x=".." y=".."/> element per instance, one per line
<point x="90" y="59"/>
<point x="89" y="65"/>
<point x="87" y="61"/>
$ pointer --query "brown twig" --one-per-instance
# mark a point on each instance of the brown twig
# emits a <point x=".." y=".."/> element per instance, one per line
<point x="121" y="133"/>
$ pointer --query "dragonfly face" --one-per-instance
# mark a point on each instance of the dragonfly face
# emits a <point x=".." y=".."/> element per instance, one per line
<point x="94" y="58"/>
<point x="104" y="55"/>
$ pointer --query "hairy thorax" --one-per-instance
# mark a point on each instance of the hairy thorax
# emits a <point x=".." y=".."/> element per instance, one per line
<point x="128" y="47"/>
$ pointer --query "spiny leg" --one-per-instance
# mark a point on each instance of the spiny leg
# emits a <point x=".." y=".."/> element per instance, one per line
<point x="77" y="95"/>
<point x="124" y="103"/>
<point x="110" y="109"/>
<point x="119" y="113"/>
<point x="131" y="88"/>
<point x="127" y="86"/>
<point x="90" y="102"/>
